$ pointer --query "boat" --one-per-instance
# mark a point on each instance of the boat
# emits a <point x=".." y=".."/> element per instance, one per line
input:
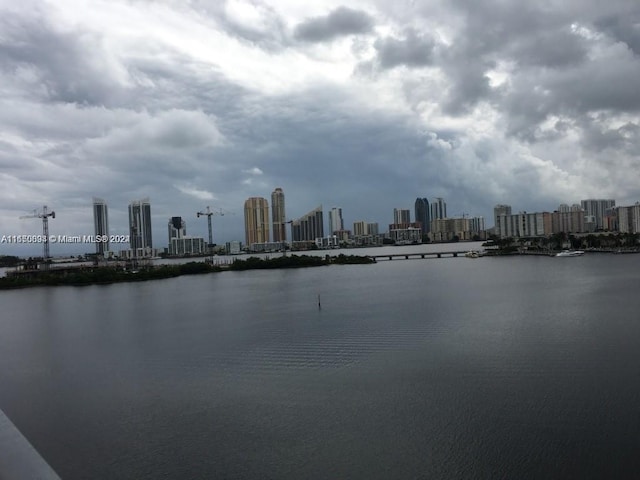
<point x="471" y="254"/>
<point x="570" y="253"/>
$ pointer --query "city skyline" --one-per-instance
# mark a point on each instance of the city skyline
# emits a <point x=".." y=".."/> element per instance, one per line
<point x="140" y="213"/>
<point x="480" y="103"/>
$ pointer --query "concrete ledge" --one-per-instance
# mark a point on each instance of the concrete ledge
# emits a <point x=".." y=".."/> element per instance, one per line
<point x="18" y="458"/>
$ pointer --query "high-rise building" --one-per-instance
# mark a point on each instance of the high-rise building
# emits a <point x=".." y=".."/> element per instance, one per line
<point x="308" y="227"/>
<point x="278" y="218"/>
<point x="610" y="221"/>
<point x="101" y="224"/>
<point x="597" y="208"/>
<point x="177" y="228"/>
<point x="476" y="225"/>
<point x="564" y="208"/>
<point x="336" y="223"/>
<point x="366" y="233"/>
<point x="523" y="224"/>
<point x="499" y="225"/>
<point x="360" y="228"/>
<point x="568" y="220"/>
<point x="401" y="216"/>
<point x="628" y="219"/>
<point x="256" y="220"/>
<point x="625" y="219"/>
<point x="438" y="209"/>
<point x="422" y="214"/>
<point x="140" y="224"/>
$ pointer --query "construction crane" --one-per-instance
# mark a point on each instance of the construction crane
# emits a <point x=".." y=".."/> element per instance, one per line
<point x="209" y="213"/>
<point x="44" y="215"/>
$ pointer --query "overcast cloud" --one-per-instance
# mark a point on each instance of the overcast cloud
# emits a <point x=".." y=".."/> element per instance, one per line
<point x="363" y="105"/>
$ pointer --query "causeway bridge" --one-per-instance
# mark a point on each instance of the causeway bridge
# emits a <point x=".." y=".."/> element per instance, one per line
<point x="418" y="255"/>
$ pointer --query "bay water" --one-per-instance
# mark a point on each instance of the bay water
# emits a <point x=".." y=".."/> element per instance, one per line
<point x="517" y="367"/>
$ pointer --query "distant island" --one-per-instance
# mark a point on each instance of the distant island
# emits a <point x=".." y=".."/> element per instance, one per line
<point x="295" y="261"/>
<point x="99" y="275"/>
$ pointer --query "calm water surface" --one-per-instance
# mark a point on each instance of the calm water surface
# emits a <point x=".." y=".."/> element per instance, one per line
<point x="523" y="367"/>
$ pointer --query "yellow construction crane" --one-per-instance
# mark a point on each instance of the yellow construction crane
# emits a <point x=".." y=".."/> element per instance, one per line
<point x="44" y="214"/>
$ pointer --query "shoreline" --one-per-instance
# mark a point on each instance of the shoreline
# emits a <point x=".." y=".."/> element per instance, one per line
<point x="107" y="275"/>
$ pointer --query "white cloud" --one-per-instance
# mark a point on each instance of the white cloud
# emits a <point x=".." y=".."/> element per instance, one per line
<point x="195" y="192"/>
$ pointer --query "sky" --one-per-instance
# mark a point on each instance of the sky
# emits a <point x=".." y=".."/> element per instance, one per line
<point x="363" y="105"/>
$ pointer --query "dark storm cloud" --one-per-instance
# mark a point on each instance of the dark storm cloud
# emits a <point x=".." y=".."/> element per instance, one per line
<point x="601" y="84"/>
<point x="551" y="49"/>
<point x="494" y="32"/>
<point x="469" y="85"/>
<point x="340" y="22"/>
<point x="358" y="146"/>
<point x="490" y="26"/>
<point x="622" y="28"/>
<point x="62" y="66"/>
<point x="176" y="80"/>
<point x="414" y="50"/>
<point x="565" y="64"/>
<point x="332" y="134"/>
<point x="600" y="138"/>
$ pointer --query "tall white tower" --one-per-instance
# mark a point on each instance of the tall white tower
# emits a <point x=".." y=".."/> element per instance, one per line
<point x="336" y="223"/>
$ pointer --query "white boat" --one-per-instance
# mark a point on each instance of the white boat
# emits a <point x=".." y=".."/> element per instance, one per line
<point x="472" y="254"/>
<point x="570" y="253"/>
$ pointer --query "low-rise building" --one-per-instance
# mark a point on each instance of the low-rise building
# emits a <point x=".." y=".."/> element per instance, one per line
<point x="331" y="241"/>
<point x="266" y="247"/>
<point x="233" y="248"/>
<point x="145" y="252"/>
<point x="187" y="246"/>
<point x="406" y="235"/>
